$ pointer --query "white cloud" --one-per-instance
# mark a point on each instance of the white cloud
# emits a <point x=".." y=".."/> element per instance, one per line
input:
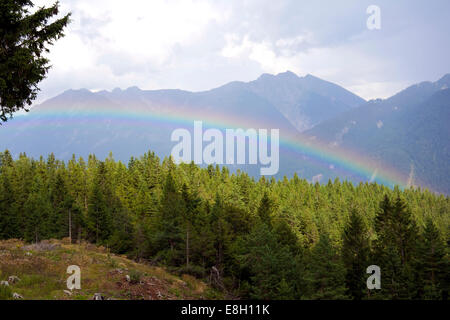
<point x="124" y="43"/>
<point x="374" y="90"/>
<point x="201" y="44"/>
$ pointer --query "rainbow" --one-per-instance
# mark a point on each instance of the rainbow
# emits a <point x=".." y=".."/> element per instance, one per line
<point x="346" y="161"/>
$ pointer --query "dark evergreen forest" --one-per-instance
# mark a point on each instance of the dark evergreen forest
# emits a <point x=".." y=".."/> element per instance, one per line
<point x="258" y="239"/>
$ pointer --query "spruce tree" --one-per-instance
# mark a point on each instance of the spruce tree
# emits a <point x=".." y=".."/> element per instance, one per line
<point x="62" y="207"/>
<point x="355" y="255"/>
<point x="326" y="272"/>
<point x="99" y="216"/>
<point x="191" y="207"/>
<point x="271" y="265"/>
<point x="395" y="248"/>
<point x="220" y="231"/>
<point x="122" y="237"/>
<point x="265" y="209"/>
<point x="9" y="224"/>
<point x="24" y="40"/>
<point x="170" y="233"/>
<point x="37" y="212"/>
<point x="432" y="266"/>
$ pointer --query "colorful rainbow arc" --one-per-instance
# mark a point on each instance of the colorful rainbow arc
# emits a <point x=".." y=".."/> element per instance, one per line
<point x="348" y="160"/>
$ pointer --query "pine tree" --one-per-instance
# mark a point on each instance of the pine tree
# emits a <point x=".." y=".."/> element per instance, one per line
<point x="202" y="248"/>
<point x="383" y="217"/>
<point x="395" y="248"/>
<point x="24" y="40"/>
<point x="265" y="209"/>
<point x="6" y="159"/>
<point x="37" y="212"/>
<point x="122" y="237"/>
<point x="285" y="291"/>
<point x="170" y="233"/>
<point x="62" y="208"/>
<point x="270" y="264"/>
<point x="191" y="207"/>
<point x="9" y="224"/>
<point x="355" y="254"/>
<point x="326" y="273"/>
<point x="286" y="235"/>
<point x="220" y="229"/>
<point x="99" y="217"/>
<point x="432" y="265"/>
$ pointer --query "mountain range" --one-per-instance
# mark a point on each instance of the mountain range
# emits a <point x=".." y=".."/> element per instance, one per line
<point x="408" y="131"/>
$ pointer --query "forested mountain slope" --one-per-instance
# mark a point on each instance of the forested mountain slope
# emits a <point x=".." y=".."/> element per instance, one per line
<point x="410" y="131"/>
<point x="265" y="239"/>
<point x="407" y="132"/>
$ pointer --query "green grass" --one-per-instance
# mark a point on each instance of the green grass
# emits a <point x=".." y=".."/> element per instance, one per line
<point x="5" y="293"/>
<point x="37" y="286"/>
<point x="43" y="275"/>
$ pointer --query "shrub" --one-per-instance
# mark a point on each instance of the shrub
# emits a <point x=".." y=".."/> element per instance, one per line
<point x="192" y="270"/>
<point x="5" y="293"/>
<point x="135" y="276"/>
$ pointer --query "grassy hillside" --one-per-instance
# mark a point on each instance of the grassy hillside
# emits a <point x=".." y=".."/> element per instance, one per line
<point x="42" y="272"/>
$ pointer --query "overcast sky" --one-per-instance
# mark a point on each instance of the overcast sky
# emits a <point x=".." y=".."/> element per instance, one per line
<point x="199" y="45"/>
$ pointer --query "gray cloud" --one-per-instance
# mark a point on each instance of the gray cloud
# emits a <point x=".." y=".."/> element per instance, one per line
<point x="200" y="44"/>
